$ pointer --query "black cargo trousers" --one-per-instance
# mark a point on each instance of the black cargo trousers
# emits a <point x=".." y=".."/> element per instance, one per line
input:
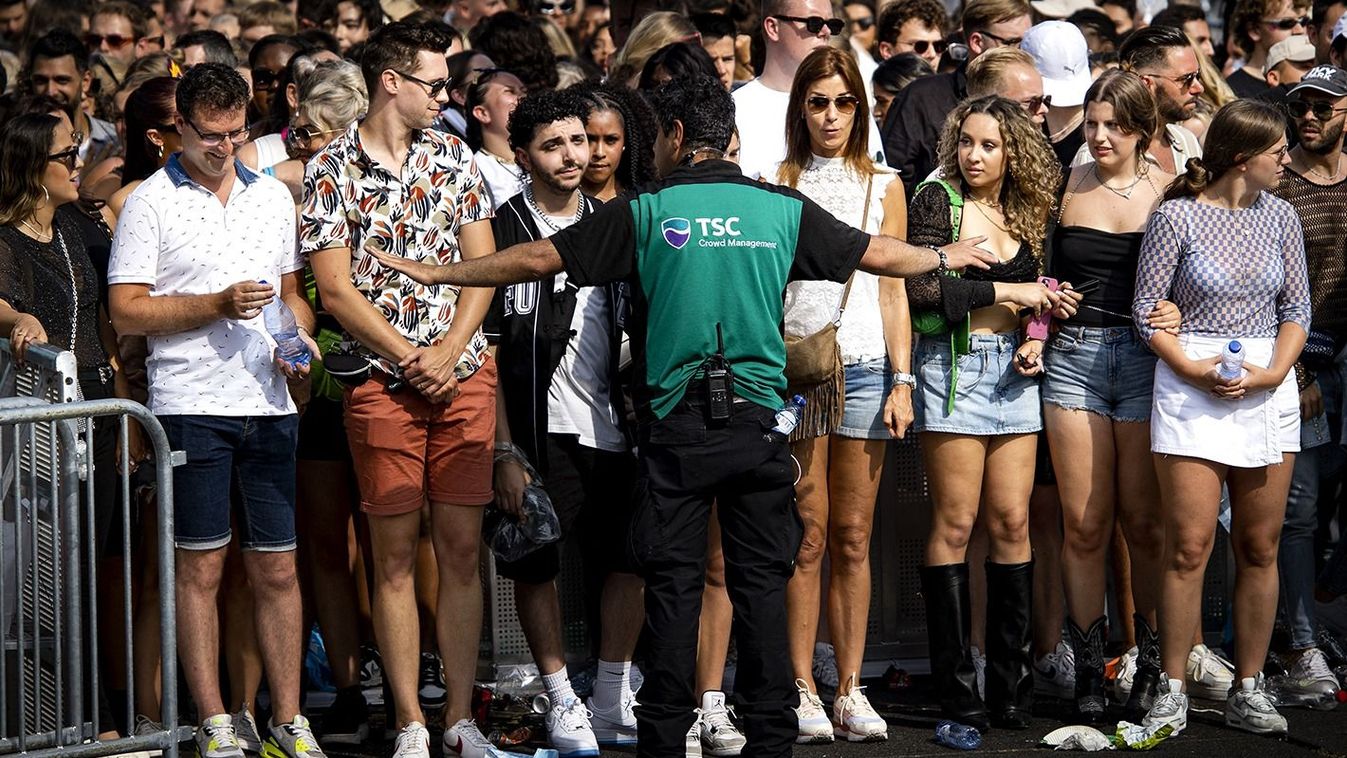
<point x="686" y="465"/>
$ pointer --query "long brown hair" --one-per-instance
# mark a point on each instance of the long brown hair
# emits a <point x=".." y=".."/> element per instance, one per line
<point x="25" y="144"/>
<point x="1240" y="130"/>
<point x="1029" y="189"/>
<point x="824" y="63"/>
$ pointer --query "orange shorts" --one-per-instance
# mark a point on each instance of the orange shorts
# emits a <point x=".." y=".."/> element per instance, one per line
<point x="407" y="449"/>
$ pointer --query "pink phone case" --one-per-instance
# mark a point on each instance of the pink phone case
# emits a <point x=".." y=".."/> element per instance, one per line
<point x="1038" y="327"/>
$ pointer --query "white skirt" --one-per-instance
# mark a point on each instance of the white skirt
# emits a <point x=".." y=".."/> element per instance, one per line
<point x="1247" y="433"/>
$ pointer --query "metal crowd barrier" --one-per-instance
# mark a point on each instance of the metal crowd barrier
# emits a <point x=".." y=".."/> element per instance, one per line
<point x="50" y="672"/>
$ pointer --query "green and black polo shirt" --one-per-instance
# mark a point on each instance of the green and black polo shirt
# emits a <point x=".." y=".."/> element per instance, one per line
<point x="708" y="246"/>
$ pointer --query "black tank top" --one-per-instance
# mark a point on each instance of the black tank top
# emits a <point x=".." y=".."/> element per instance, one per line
<point x="1080" y="254"/>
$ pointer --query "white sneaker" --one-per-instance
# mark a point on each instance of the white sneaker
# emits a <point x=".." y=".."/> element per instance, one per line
<point x="855" y="719"/>
<point x="569" y="731"/>
<point x="245" y="727"/>
<point x="1250" y="708"/>
<point x="1310" y="682"/>
<point x="692" y="743"/>
<point x="1055" y="673"/>
<point x="1171" y="706"/>
<point x="825" y="667"/>
<point x="1209" y="675"/>
<point x="292" y="740"/>
<point x="980" y="670"/>
<point x="464" y="739"/>
<point x="719" y="736"/>
<point x="617" y="725"/>
<point x="412" y="742"/>
<point x="147" y="727"/>
<point x="815" y="728"/>
<point x="216" y="738"/>
<point x="1127" y="671"/>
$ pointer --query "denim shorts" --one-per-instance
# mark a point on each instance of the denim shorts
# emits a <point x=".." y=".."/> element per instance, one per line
<point x="250" y="457"/>
<point x="991" y="397"/>
<point x="863" y="409"/>
<point x="1104" y="370"/>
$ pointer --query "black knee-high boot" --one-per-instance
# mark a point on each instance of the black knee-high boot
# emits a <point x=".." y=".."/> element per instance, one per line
<point x="1147" y="678"/>
<point x="948" y="625"/>
<point x="1010" y="679"/>
<point x="1088" y="646"/>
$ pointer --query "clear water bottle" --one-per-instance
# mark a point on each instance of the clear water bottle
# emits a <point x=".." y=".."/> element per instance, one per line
<point x="1232" y="361"/>
<point x="957" y="736"/>
<point x="280" y="321"/>
<point x="787" y="418"/>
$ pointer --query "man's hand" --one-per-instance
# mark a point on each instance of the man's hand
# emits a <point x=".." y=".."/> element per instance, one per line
<point x="1311" y="402"/>
<point x="417" y="271"/>
<point x="297" y="372"/>
<point x="27" y="330"/>
<point x="510" y="481"/>
<point x="430" y="371"/>
<point x="245" y="300"/>
<point x="964" y="253"/>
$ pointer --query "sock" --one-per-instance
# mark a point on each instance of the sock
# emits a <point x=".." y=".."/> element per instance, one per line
<point x="559" y="687"/>
<point x="1248" y="683"/>
<point x="1176" y="686"/>
<point x="612" y="684"/>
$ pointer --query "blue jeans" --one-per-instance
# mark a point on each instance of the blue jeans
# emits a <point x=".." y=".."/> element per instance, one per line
<point x="1320" y="459"/>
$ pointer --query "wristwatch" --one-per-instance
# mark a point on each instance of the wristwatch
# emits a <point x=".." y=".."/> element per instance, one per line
<point x="902" y="379"/>
<point x="943" y="267"/>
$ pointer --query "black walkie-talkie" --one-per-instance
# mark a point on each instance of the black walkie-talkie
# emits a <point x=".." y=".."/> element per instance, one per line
<point x="719" y="382"/>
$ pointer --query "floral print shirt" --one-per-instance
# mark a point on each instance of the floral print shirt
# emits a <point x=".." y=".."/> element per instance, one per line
<point x="351" y="201"/>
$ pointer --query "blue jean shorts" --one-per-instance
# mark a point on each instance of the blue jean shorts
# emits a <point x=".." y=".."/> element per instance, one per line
<point x="863" y="408"/>
<point x="1104" y="370"/>
<point x="991" y="397"/>
<point x="245" y="459"/>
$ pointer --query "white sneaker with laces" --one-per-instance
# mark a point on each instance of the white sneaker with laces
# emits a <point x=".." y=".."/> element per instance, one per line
<point x="855" y="719"/>
<point x="1055" y="673"/>
<point x="1251" y="709"/>
<point x="569" y="731"/>
<point x="465" y="740"/>
<point x="1209" y="675"/>
<point x="216" y="738"/>
<point x="980" y="670"/>
<point x="692" y="743"/>
<point x="718" y="734"/>
<point x="1171" y="706"/>
<point x="292" y="740"/>
<point x="617" y="725"/>
<point x="412" y="742"/>
<point x="245" y="726"/>
<point x="824" y="667"/>
<point x="1310" y="681"/>
<point x="815" y="728"/>
<point x="1127" y="671"/>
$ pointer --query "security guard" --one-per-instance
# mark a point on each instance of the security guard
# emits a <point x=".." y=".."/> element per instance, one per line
<point x="708" y="254"/>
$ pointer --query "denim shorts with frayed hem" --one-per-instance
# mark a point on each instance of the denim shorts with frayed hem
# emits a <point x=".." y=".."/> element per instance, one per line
<point x="1104" y="370"/>
<point x="863" y="407"/>
<point x="991" y="397"/>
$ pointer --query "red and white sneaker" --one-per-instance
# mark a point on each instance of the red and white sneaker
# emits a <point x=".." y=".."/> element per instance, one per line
<point x="465" y="740"/>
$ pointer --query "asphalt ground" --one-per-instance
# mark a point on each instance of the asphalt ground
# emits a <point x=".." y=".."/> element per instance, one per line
<point x="912" y="719"/>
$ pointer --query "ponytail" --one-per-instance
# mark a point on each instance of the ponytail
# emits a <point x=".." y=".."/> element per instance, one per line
<point x="1193" y="180"/>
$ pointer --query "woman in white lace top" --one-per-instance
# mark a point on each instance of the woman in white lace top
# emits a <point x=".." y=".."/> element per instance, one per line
<point x="841" y="450"/>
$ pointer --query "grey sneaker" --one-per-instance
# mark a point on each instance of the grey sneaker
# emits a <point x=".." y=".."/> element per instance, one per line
<point x="245" y="727"/>
<point x="1250" y="708"/>
<point x="1310" y="682"/>
<point x="145" y="727"/>
<point x="1171" y="706"/>
<point x="1055" y="673"/>
<point x="692" y="743"/>
<point x="216" y="738"/>
<point x="292" y="740"/>
<point x="719" y="735"/>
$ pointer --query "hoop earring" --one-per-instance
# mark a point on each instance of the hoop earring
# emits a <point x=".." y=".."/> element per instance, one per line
<point x="46" y="198"/>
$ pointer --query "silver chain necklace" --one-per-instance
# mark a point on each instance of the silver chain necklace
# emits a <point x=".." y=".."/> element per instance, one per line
<point x="528" y="198"/>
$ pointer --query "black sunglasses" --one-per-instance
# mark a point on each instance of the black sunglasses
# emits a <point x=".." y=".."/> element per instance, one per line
<point x="846" y="104"/>
<point x="1322" y="109"/>
<point x="1287" y="24"/>
<point x="434" y="88"/>
<point x="922" y="45"/>
<point x="815" y="24"/>
<point x="1007" y="41"/>
<point x="67" y="157"/>
<point x="264" y="78"/>
<point x="863" y="24"/>
<point x="553" y="8"/>
<point x="115" y="41"/>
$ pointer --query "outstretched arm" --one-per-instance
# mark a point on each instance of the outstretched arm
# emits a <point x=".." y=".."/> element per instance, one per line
<point x="525" y="262"/>
<point x="887" y="256"/>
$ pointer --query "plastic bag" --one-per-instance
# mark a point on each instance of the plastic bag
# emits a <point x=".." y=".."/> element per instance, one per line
<point x="1077" y="738"/>
<point x="512" y="539"/>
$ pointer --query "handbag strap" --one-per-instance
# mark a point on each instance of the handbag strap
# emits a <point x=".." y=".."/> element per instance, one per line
<point x="865" y="217"/>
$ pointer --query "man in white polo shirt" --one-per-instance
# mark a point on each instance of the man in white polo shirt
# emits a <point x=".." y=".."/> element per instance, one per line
<point x="195" y="246"/>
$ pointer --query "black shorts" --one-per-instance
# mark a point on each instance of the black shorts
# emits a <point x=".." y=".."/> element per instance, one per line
<point x="591" y="491"/>
<point x="322" y="432"/>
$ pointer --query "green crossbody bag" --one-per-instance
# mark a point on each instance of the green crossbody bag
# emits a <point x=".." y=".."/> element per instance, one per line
<point x="932" y="322"/>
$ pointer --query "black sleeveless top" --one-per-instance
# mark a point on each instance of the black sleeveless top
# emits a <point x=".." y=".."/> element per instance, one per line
<point x="1080" y="254"/>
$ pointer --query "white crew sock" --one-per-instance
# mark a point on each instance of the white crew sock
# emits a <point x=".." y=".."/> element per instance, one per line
<point x="612" y="684"/>
<point x="559" y="687"/>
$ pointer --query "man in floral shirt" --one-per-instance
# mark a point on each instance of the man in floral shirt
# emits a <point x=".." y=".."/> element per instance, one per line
<point x="422" y="426"/>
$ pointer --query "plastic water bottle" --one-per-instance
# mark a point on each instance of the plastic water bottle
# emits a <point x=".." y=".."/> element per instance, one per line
<point x="280" y="321"/>
<point x="787" y="418"/>
<point x="957" y="736"/>
<point x="1232" y="361"/>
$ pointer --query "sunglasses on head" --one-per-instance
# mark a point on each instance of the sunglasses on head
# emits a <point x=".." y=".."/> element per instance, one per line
<point x="115" y="41"/>
<point x="846" y="104"/>
<point x="815" y="24"/>
<point x="1322" y="109"/>
<point x="555" y="7"/>
<point x="1287" y="24"/>
<point x="922" y="45"/>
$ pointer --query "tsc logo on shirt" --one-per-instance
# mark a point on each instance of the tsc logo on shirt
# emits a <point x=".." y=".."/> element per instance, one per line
<point x="677" y="232"/>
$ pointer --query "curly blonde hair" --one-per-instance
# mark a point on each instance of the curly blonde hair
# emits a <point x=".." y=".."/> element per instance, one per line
<point x="1029" y="190"/>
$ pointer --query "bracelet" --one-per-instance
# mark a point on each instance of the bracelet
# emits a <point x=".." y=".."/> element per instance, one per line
<point x="509" y="451"/>
<point x="942" y="267"/>
<point x="903" y="379"/>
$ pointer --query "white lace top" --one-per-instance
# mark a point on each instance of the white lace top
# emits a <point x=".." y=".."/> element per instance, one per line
<point x="811" y="305"/>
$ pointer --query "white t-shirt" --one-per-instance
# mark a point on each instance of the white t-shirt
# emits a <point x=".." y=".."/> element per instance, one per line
<point x="175" y="236"/>
<point x="579" y="397"/>
<point x="503" y="180"/>
<point x="760" y="115"/>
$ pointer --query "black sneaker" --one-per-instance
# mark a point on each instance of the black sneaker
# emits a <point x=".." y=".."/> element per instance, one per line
<point x="347" y="719"/>
<point x="432" y="693"/>
<point x="371" y="675"/>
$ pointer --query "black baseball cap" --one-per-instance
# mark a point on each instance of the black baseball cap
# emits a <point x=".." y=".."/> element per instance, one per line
<point x="1327" y="79"/>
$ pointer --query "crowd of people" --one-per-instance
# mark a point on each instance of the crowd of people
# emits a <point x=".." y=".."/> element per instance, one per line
<point x="588" y="252"/>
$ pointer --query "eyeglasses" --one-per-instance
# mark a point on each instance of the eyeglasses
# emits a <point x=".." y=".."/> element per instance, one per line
<point x="815" y="24"/>
<point x="306" y="134"/>
<point x="1035" y="103"/>
<point x="554" y="8"/>
<point x="846" y="104"/>
<point x="115" y="41"/>
<point x="1007" y="41"/>
<point x="1322" y="109"/>
<point x="1287" y="24"/>
<point x="863" y="24"/>
<point x="433" y="88"/>
<point x="1279" y="154"/>
<point x="1186" y="81"/>
<point x="215" y="139"/>
<point x="265" y="78"/>
<point x="922" y="45"/>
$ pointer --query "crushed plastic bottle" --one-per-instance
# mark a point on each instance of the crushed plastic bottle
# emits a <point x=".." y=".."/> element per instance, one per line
<point x="1232" y="361"/>
<point x="787" y="418"/>
<point x="280" y="322"/>
<point x="1137" y="737"/>
<point x="958" y="736"/>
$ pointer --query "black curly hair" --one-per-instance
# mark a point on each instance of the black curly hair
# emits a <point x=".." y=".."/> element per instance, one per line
<point x="638" y="126"/>
<point x="509" y="40"/>
<point x="542" y="108"/>
<point x="703" y="106"/>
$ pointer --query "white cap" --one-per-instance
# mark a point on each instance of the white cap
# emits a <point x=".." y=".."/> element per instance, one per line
<point x="1061" y="8"/>
<point x="1062" y="59"/>
<point x="1297" y="49"/>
